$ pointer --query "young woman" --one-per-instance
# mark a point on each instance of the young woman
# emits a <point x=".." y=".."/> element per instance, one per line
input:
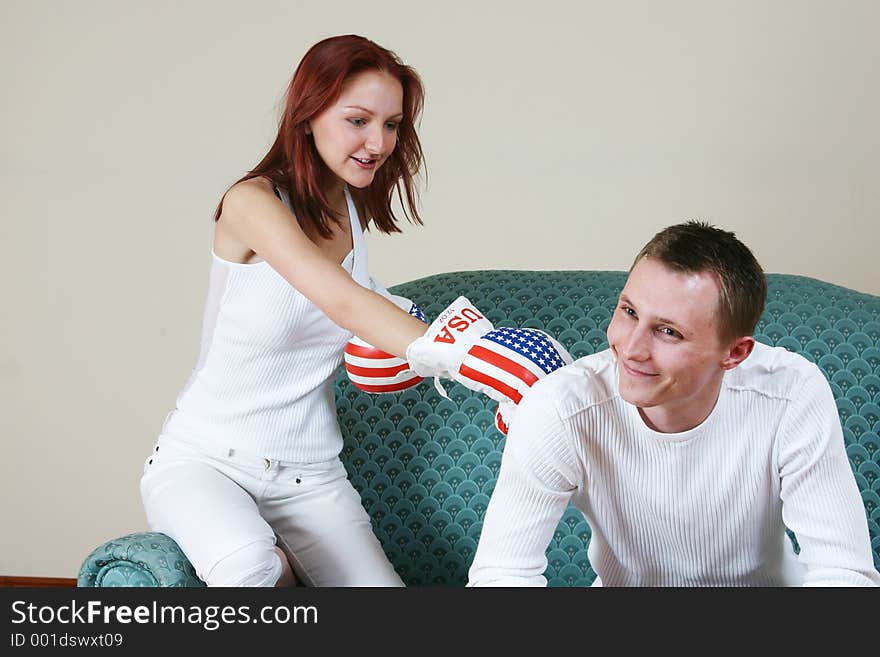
<point x="246" y="475"/>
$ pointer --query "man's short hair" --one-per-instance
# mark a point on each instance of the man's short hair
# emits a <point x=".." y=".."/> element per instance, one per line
<point x="696" y="247"/>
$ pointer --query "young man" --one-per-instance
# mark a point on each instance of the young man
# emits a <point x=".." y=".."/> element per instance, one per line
<point x="687" y="446"/>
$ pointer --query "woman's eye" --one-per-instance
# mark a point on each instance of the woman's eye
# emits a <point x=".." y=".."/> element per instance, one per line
<point x="391" y="125"/>
<point x="357" y="122"/>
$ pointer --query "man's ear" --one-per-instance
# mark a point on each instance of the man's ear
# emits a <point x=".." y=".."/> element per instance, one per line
<point x="739" y="351"/>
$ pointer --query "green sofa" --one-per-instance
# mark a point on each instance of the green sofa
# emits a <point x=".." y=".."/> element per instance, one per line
<point x="425" y="466"/>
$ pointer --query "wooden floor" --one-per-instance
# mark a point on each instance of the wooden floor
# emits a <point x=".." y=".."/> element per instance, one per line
<point x="54" y="582"/>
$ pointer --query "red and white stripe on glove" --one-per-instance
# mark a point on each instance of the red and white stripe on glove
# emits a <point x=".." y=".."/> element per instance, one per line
<point x="504" y="416"/>
<point x="372" y="370"/>
<point x="505" y="363"/>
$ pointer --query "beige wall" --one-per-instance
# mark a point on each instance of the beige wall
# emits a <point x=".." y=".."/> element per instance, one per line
<point x="559" y="136"/>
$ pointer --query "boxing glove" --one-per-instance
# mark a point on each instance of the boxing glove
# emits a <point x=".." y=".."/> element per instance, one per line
<point x="553" y="356"/>
<point x="376" y="371"/>
<point x="504" y="363"/>
<point x="462" y="345"/>
<point x="504" y="413"/>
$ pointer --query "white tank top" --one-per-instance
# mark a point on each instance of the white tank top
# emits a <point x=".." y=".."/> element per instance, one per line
<point x="263" y="382"/>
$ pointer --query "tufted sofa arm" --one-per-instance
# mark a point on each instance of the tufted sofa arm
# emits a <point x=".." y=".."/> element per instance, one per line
<point x="141" y="559"/>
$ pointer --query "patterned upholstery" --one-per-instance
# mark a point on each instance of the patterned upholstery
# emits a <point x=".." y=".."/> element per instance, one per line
<point x="426" y="466"/>
<point x="143" y="559"/>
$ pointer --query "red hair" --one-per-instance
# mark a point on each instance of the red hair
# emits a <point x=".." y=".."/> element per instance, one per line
<point x="293" y="162"/>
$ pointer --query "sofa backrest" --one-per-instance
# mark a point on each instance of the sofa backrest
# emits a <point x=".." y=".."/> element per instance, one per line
<point x="426" y="466"/>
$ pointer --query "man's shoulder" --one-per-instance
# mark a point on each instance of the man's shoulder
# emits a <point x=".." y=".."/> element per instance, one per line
<point x="773" y="372"/>
<point x="586" y="382"/>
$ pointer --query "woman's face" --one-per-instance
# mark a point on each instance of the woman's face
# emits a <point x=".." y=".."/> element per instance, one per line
<point x="356" y="134"/>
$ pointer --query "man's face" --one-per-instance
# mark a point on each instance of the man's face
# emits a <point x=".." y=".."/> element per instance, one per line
<point x="665" y="336"/>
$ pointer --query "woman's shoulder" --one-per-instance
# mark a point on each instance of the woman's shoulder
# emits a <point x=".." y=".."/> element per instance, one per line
<point x="246" y="192"/>
<point x="231" y="231"/>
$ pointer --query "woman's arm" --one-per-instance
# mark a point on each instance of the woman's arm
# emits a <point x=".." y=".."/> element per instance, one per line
<point x="258" y="220"/>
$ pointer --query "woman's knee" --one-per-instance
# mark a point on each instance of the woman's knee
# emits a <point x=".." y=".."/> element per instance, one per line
<point x="256" y="564"/>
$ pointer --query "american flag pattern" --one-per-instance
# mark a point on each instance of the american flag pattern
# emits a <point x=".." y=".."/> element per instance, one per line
<point x="416" y="312"/>
<point x="500" y="423"/>
<point x="373" y="370"/>
<point x="510" y="360"/>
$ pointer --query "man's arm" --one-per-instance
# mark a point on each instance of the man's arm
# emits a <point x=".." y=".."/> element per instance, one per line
<point x="820" y="500"/>
<point x="539" y="474"/>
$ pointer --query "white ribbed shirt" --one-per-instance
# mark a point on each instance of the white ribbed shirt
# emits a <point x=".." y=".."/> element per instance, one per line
<point x="263" y="383"/>
<point x="705" y="507"/>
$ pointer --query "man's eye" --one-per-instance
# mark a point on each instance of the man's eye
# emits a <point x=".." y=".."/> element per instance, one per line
<point x="672" y="333"/>
<point x="629" y="311"/>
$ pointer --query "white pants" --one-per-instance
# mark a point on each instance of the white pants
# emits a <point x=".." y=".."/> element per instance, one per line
<point x="226" y="509"/>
